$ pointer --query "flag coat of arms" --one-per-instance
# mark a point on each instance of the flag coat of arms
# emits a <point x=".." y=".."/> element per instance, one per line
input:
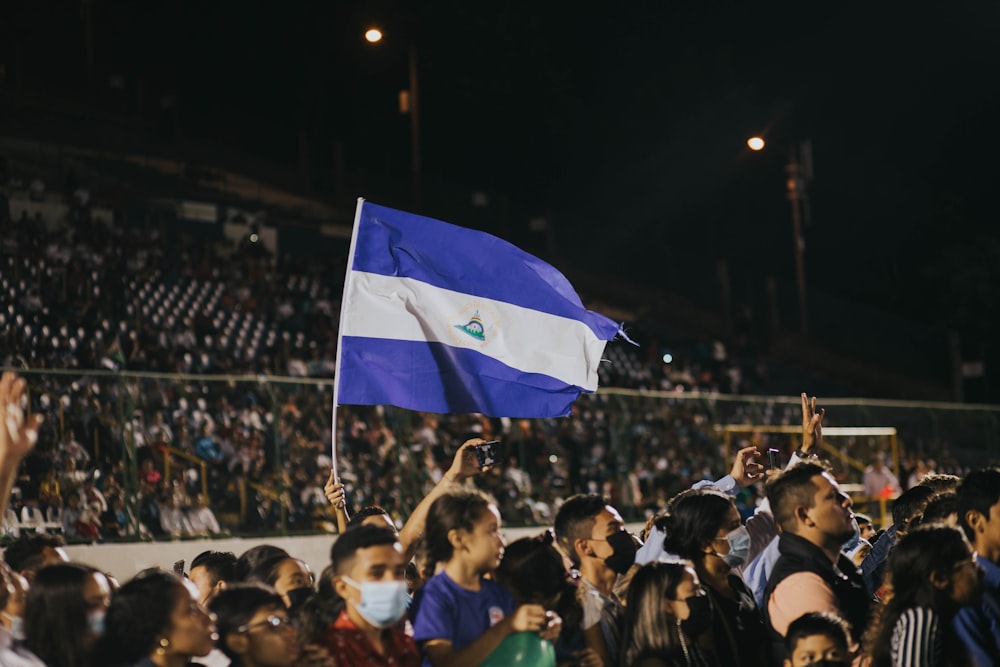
<point x="439" y="318"/>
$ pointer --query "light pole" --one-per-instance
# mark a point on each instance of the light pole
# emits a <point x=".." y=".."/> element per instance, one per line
<point x="797" y="175"/>
<point x="409" y="103"/>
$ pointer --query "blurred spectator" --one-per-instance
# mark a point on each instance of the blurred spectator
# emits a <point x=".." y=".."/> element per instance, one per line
<point x="879" y="481"/>
<point x="201" y="519"/>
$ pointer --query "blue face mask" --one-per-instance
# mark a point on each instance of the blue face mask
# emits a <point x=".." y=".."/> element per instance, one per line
<point x="855" y="538"/>
<point x="739" y="547"/>
<point x="382" y="602"/>
<point x="16" y="626"/>
<point x="95" y="621"/>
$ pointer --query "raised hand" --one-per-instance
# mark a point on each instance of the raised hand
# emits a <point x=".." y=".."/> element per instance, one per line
<point x="334" y="490"/>
<point x="812" y="425"/>
<point x="18" y="434"/>
<point x="464" y="464"/>
<point x="745" y="469"/>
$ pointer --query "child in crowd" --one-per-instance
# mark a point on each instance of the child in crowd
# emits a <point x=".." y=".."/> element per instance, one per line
<point x="464" y="616"/>
<point x="817" y="638"/>
<point x="254" y="627"/>
<point x="533" y="570"/>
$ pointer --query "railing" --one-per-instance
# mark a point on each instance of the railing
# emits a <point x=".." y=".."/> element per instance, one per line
<point x="638" y="447"/>
<point x="170" y="453"/>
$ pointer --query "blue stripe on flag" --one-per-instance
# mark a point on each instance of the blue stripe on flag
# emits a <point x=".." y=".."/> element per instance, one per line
<point x="396" y="243"/>
<point x="432" y="377"/>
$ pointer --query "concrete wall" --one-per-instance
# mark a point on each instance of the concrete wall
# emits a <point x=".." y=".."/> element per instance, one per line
<point x="124" y="560"/>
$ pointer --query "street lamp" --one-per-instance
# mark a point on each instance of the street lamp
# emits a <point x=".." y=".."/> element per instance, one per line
<point x="798" y="172"/>
<point x="409" y="103"/>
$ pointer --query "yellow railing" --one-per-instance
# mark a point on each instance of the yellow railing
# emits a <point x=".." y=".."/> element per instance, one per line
<point x="170" y="453"/>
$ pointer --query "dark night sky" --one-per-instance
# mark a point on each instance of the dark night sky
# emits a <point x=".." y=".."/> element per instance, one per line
<point x="623" y="122"/>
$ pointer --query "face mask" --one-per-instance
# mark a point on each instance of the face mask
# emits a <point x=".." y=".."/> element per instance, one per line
<point x="739" y="547"/>
<point x="382" y="602"/>
<point x="855" y="538"/>
<point x="297" y="597"/>
<point x="826" y="662"/>
<point x="623" y="556"/>
<point x="16" y="626"/>
<point x="699" y="619"/>
<point x="95" y="621"/>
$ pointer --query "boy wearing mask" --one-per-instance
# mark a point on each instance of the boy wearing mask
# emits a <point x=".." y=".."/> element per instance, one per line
<point x="369" y="568"/>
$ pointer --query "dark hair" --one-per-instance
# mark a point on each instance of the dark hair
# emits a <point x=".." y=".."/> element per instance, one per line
<point x="364" y="536"/>
<point x="26" y="553"/>
<point x="254" y="556"/>
<point x="939" y="509"/>
<point x="818" y="623"/>
<point x="267" y="571"/>
<point x="863" y="518"/>
<point x="916" y="558"/>
<point x="792" y="488"/>
<point x="693" y="520"/>
<point x="533" y="570"/>
<point x="647" y="629"/>
<point x="979" y="492"/>
<point x="939" y="482"/>
<point x="320" y="610"/>
<point x="455" y="509"/>
<point x="55" y="615"/>
<point x="365" y="512"/>
<point x="910" y="504"/>
<point x="575" y="521"/>
<point x="140" y="612"/>
<point x="236" y="605"/>
<point x="221" y="565"/>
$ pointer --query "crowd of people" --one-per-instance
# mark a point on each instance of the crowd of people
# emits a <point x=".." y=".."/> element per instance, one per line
<point x="83" y="291"/>
<point x="700" y="584"/>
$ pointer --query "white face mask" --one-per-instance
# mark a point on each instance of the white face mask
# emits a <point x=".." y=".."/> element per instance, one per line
<point x="16" y="626"/>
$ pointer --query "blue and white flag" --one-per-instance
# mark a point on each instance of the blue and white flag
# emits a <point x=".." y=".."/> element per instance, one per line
<point x="439" y="318"/>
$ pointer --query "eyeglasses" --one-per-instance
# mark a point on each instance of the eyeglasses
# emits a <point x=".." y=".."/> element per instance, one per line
<point x="271" y="623"/>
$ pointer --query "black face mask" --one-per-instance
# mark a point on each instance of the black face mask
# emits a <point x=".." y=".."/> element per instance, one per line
<point x="623" y="556"/>
<point x="699" y="619"/>
<point x="826" y="662"/>
<point x="297" y="597"/>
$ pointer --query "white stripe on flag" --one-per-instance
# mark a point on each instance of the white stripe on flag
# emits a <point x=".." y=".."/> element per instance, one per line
<point x="397" y="308"/>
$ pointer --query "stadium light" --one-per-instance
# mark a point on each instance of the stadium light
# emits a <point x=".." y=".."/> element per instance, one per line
<point x="409" y="103"/>
<point x="756" y="143"/>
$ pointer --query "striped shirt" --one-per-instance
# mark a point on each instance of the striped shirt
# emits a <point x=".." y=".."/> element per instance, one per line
<point x="917" y="639"/>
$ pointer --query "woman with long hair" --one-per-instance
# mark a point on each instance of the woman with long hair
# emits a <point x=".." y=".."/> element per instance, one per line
<point x="64" y="614"/>
<point x="155" y="619"/>
<point x="933" y="573"/>
<point x="665" y="610"/>
<point x="704" y="527"/>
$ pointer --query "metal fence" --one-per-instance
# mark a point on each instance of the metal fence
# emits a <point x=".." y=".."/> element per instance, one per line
<point x="258" y="447"/>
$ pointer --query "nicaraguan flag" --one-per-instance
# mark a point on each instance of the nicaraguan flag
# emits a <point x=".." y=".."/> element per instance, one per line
<point x="439" y="318"/>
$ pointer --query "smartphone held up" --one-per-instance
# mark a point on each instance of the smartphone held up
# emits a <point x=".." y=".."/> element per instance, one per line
<point x="488" y="453"/>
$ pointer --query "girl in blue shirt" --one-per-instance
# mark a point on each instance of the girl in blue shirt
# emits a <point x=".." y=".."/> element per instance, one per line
<point x="463" y="615"/>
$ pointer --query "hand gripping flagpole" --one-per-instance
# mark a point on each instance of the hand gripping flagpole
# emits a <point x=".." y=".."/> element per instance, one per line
<point x="340" y="335"/>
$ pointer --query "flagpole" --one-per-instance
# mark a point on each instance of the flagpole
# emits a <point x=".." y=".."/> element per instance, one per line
<point x="340" y="335"/>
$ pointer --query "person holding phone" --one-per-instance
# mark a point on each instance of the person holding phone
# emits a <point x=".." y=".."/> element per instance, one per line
<point x="464" y="465"/>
